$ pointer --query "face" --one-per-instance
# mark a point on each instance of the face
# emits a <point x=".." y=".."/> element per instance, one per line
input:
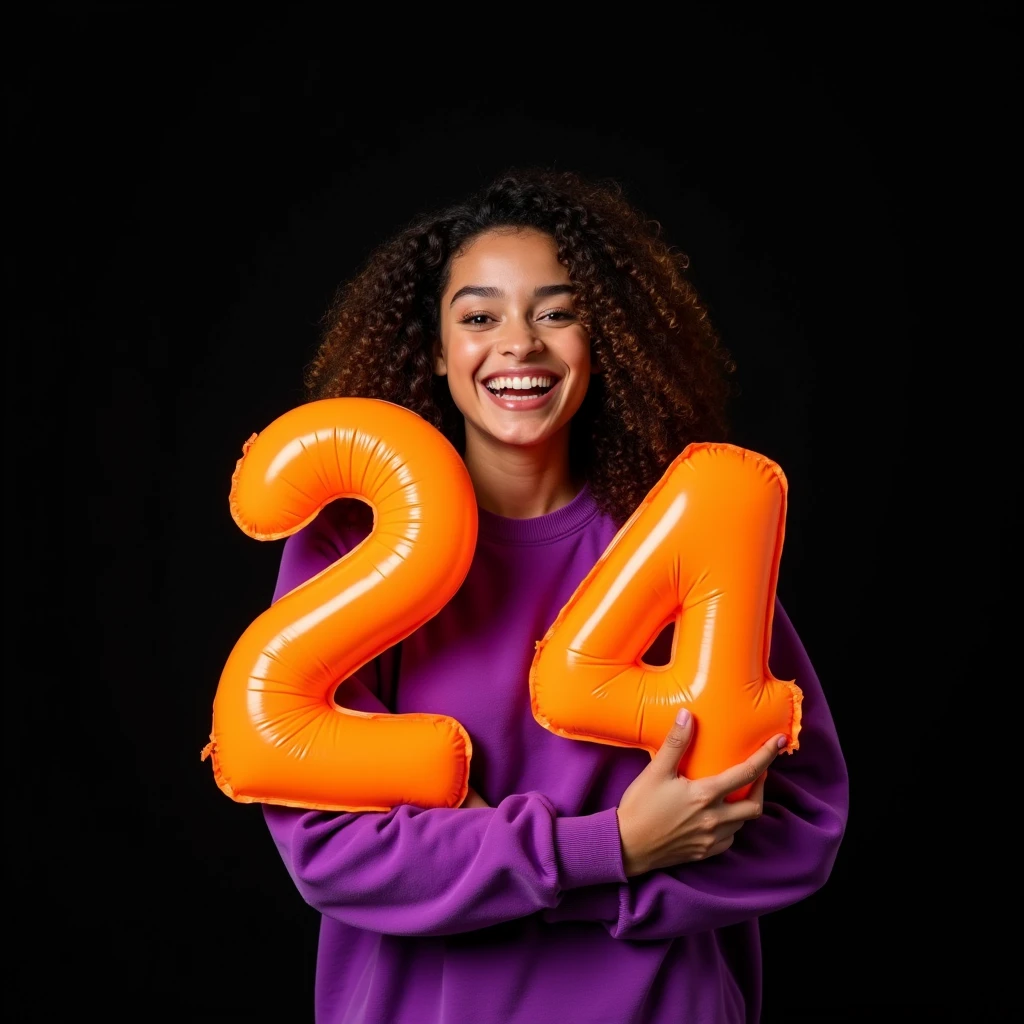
<point x="516" y="357"/>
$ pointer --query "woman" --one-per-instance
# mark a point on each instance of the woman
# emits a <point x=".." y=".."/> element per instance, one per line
<point x="546" y="328"/>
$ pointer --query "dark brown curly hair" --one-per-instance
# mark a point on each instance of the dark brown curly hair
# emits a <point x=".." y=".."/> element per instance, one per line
<point x="664" y="374"/>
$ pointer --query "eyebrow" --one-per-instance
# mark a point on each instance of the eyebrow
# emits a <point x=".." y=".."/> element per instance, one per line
<point x="489" y="292"/>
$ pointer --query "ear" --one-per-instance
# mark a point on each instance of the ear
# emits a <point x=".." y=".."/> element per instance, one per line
<point x="440" y="366"/>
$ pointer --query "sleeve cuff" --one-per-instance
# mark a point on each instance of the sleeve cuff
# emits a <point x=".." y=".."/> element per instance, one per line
<point x="589" y="850"/>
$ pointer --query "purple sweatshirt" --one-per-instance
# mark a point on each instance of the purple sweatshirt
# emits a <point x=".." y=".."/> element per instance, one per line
<point x="521" y="913"/>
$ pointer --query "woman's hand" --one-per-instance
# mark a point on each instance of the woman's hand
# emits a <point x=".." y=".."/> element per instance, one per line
<point x="474" y="799"/>
<point x="667" y="819"/>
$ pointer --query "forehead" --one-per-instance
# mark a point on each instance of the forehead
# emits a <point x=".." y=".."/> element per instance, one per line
<point x="507" y="255"/>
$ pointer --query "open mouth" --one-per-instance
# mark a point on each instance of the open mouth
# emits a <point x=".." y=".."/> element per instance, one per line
<point x="520" y="387"/>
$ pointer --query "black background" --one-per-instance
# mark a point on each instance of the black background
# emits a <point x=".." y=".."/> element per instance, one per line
<point x="185" y="193"/>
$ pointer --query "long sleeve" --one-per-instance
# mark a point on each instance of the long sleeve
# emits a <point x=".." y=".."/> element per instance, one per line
<point x="775" y="861"/>
<point x="416" y="871"/>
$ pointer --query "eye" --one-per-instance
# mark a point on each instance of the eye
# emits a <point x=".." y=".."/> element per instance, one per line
<point x="476" y="319"/>
<point x="557" y="314"/>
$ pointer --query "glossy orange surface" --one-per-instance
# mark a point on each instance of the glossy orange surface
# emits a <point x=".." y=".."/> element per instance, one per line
<point x="278" y="736"/>
<point x="702" y="551"/>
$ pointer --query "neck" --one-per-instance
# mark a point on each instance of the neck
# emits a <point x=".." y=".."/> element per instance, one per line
<point x="520" y="482"/>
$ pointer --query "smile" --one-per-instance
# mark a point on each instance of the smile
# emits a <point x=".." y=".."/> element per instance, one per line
<point x="521" y="393"/>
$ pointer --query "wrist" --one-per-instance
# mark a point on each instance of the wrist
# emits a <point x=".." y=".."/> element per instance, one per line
<point x="632" y="863"/>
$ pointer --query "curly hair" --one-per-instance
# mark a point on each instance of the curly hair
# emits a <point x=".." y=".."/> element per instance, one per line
<point x="664" y="373"/>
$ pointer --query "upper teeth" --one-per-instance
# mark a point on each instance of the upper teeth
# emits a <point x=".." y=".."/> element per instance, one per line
<point x="518" y="383"/>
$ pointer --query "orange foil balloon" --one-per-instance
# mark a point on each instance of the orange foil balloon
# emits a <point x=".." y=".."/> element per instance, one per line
<point x="702" y="551"/>
<point x="278" y="736"/>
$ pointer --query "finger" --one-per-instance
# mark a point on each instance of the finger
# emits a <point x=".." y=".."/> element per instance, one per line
<point x="747" y="772"/>
<point x="750" y="807"/>
<point x="720" y="847"/>
<point x="757" y="790"/>
<point x="473" y="799"/>
<point x="675" y="743"/>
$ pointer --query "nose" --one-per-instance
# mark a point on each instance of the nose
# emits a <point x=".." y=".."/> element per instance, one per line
<point x="519" y="340"/>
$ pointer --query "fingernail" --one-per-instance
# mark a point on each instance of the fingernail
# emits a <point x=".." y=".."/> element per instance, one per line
<point x="782" y="742"/>
<point x="683" y="717"/>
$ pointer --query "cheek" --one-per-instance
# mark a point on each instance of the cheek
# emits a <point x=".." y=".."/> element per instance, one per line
<point x="465" y="355"/>
<point x="584" y="360"/>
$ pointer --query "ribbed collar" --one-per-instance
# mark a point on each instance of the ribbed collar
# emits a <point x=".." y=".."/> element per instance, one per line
<point x="542" y="529"/>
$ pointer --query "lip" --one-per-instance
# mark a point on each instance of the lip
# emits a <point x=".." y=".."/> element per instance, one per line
<point x="522" y="404"/>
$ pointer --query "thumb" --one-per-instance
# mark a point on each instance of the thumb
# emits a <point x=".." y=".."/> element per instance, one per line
<point x="675" y="743"/>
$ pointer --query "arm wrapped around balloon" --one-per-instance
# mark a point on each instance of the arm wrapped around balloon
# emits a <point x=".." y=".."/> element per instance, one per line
<point x="701" y="551"/>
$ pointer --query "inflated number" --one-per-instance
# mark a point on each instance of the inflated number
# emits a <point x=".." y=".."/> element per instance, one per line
<point x="702" y="551"/>
<point x="278" y="736"/>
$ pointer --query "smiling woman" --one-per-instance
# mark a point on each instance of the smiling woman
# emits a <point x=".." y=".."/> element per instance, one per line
<point x="517" y="360"/>
<point x="546" y="329"/>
